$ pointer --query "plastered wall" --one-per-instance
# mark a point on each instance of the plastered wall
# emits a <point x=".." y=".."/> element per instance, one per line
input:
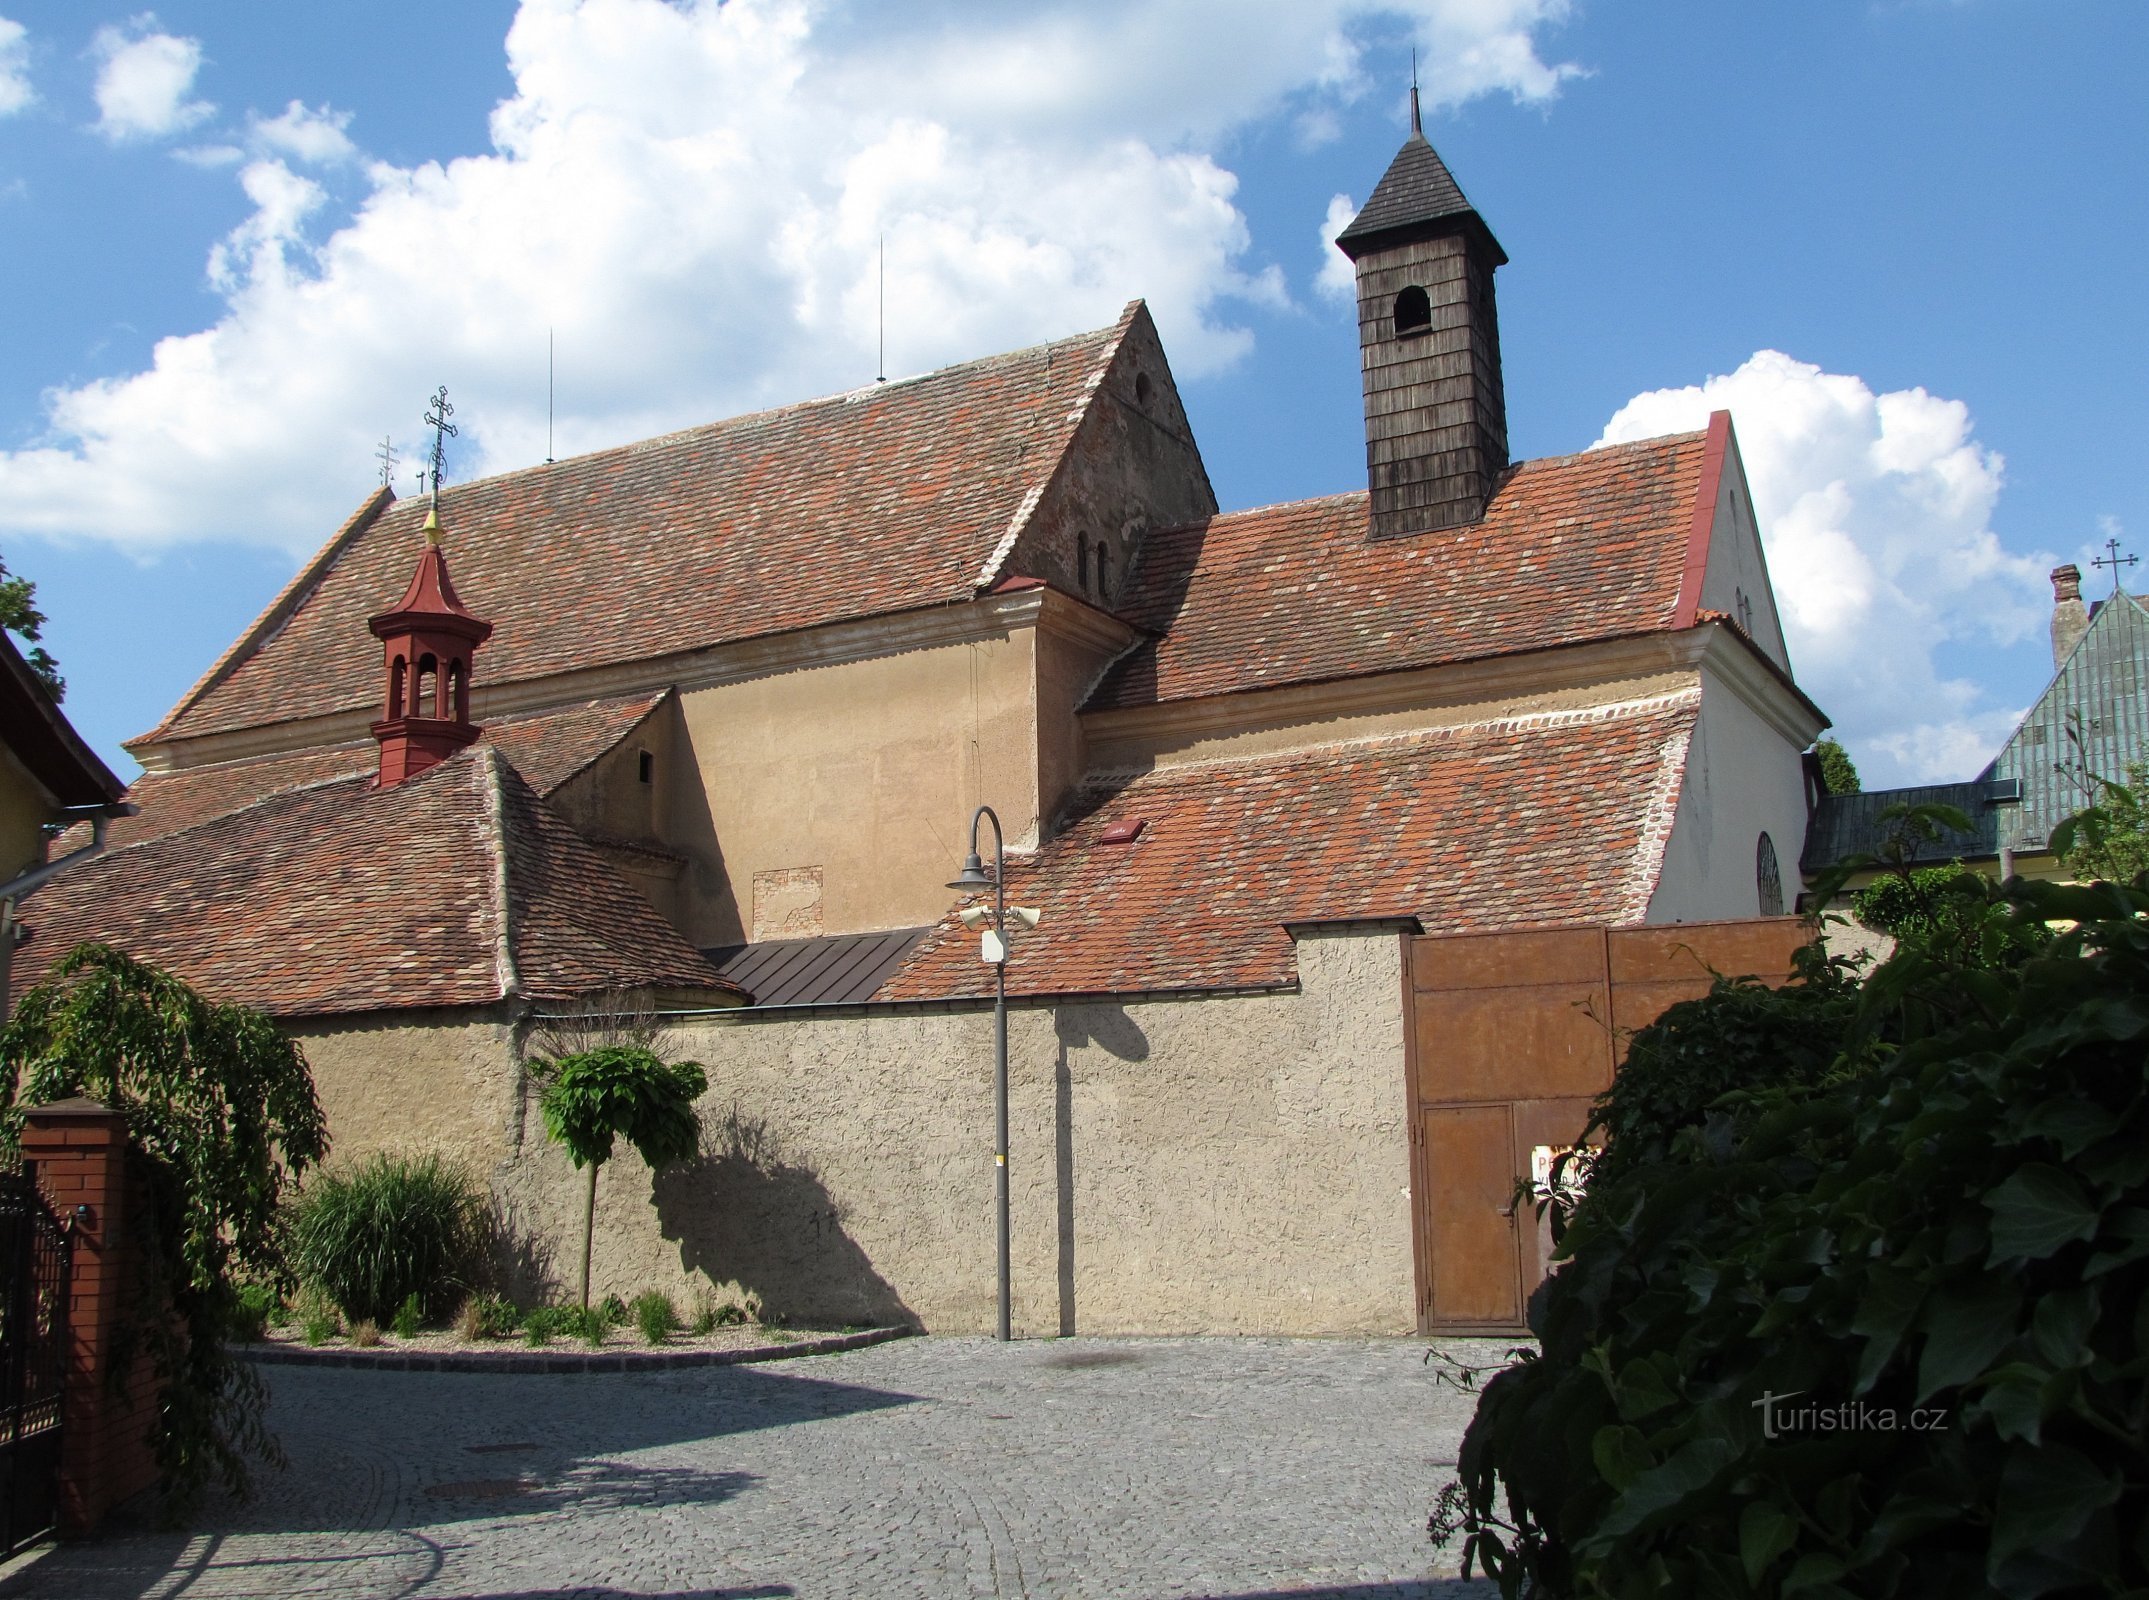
<point x="1742" y="777"/>
<point x="864" y="771"/>
<point x="1232" y="1165"/>
<point x="413" y="1082"/>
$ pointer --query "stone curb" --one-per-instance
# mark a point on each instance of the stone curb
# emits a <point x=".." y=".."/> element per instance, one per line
<point x="562" y="1361"/>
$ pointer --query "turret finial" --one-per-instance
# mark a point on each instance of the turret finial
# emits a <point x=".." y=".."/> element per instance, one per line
<point x="1417" y="123"/>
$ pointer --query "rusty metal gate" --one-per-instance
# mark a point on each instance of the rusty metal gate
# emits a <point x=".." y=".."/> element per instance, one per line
<point x="1510" y="1037"/>
<point x="34" y="1267"/>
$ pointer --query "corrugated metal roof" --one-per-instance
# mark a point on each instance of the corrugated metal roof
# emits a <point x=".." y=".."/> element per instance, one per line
<point x="837" y="970"/>
<point x="2102" y="692"/>
<point x="1851" y="824"/>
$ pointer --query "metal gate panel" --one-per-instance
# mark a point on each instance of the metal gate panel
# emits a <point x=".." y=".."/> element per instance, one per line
<point x="1470" y="1159"/>
<point x="34" y="1271"/>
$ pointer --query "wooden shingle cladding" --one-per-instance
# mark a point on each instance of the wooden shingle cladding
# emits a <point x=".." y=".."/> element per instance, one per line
<point x="1435" y="405"/>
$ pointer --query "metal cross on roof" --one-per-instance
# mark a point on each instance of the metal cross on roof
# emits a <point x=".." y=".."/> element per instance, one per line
<point x="2115" y="561"/>
<point x="436" y="418"/>
<point x="385" y="455"/>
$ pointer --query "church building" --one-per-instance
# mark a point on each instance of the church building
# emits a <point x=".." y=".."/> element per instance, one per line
<point x="700" y="724"/>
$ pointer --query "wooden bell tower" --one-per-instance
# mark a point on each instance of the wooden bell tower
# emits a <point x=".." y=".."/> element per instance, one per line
<point x="1429" y="343"/>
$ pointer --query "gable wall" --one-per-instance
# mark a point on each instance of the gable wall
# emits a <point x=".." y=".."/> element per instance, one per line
<point x="1132" y="466"/>
<point x="1742" y="777"/>
<point x="1737" y="565"/>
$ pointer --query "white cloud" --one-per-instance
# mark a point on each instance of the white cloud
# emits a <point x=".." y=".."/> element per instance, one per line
<point x="143" y="80"/>
<point x="1876" y="513"/>
<point x="1337" y="277"/>
<point x="314" y="137"/>
<point x="15" y="90"/>
<point x="692" y="195"/>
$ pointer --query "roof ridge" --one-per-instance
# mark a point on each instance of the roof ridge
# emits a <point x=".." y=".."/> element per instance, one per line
<point x="655" y="701"/>
<point x="276" y="613"/>
<point x="486" y="774"/>
<point x="112" y="852"/>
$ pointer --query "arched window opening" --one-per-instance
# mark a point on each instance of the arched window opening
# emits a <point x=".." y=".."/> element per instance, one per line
<point x="1143" y="388"/>
<point x="1413" y="311"/>
<point x="1767" y="878"/>
<point x="398" y="680"/>
<point x="458" y="690"/>
<point x="1104" y="572"/>
<point x="1082" y="560"/>
<point x="427" y="688"/>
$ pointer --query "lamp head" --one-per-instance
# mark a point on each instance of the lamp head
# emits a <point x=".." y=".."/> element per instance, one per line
<point x="973" y="875"/>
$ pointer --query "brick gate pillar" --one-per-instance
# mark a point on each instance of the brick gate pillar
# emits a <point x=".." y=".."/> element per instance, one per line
<point x="79" y="1149"/>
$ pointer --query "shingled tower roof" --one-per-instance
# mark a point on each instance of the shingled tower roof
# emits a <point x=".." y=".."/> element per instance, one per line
<point x="1416" y="194"/>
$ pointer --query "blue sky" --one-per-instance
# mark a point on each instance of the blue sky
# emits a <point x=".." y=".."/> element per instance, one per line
<point x="1900" y="238"/>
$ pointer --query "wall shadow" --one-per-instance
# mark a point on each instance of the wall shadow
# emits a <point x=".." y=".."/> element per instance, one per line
<point x="1073" y="1027"/>
<point x="749" y="1211"/>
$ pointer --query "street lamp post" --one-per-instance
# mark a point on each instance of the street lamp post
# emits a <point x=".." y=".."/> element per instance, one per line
<point x="973" y="877"/>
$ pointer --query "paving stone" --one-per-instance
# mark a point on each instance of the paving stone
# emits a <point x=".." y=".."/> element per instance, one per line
<point x="1074" y="1469"/>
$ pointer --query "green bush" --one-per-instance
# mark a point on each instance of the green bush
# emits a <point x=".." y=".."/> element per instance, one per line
<point x="656" y="1316"/>
<point x="1742" y="1036"/>
<point x="255" y="1307"/>
<point x="386" y="1230"/>
<point x="488" y="1317"/>
<point x="1937" y="1255"/>
<point x="409" y="1317"/>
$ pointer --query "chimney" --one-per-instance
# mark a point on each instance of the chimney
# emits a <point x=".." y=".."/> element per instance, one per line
<point x="1429" y="345"/>
<point x="2070" y="618"/>
<point x="428" y="639"/>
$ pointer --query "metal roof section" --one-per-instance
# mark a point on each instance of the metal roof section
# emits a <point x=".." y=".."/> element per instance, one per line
<point x="2101" y="692"/>
<point x="1852" y="824"/>
<point x="837" y="970"/>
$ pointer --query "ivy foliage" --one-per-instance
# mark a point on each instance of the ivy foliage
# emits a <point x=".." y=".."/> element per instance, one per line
<point x="221" y="1112"/>
<point x="1878" y="1330"/>
<point x="620" y="1091"/>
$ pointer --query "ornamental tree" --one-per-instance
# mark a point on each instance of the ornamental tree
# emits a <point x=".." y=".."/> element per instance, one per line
<point x="222" y="1118"/>
<point x="594" y="1097"/>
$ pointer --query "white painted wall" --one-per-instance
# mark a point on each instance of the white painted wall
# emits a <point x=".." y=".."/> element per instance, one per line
<point x="1736" y="562"/>
<point x="1742" y="777"/>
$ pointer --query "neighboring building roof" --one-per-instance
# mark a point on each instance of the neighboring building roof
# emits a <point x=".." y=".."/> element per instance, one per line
<point x="1416" y="190"/>
<point x="841" y="969"/>
<point x="886" y="499"/>
<point x="456" y="888"/>
<point x="547" y="750"/>
<point x="2091" y="721"/>
<point x="45" y="742"/>
<point x="1852" y="824"/>
<point x="1557" y="817"/>
<point x="1570" y="548"/>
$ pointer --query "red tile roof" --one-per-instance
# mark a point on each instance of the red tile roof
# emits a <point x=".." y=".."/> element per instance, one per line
<point x="547" y="750"/>
<point x="882" y="500"/>
<point x="339" y="898"/>
<point x="1555" y="817"/>
<point x="1571" y="548"/>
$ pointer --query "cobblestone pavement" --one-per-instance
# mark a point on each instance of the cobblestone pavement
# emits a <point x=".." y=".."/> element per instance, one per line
<point x="1089" y="1468"/>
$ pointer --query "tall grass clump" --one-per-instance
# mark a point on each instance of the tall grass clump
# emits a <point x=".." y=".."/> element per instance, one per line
<point x="392" y="1228"/>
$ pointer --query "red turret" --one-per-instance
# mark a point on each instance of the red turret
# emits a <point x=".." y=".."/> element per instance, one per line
<point x="429" y="637"/>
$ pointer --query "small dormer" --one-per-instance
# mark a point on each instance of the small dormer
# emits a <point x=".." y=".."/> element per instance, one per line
<point x="428" y="642"/>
